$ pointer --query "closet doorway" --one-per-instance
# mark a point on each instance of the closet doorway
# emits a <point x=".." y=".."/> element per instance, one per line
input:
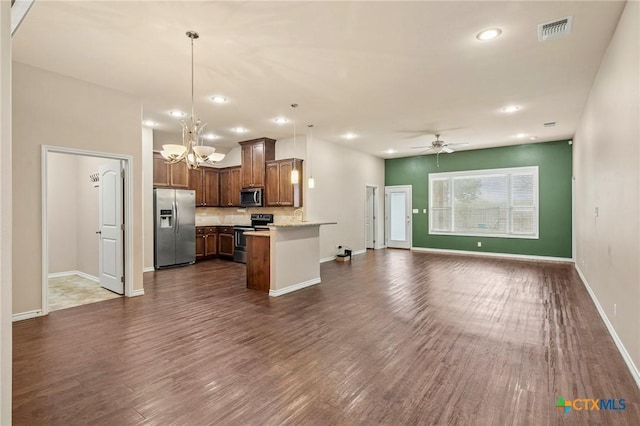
<point x="84" y="206"/>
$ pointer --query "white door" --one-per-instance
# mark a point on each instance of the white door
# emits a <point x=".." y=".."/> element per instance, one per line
<point x="110" y="216"/>
<point x="369" y="220"/>
<point x="397" y="207"/>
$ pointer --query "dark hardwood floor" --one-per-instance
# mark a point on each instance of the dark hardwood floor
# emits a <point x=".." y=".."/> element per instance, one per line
<point x="392" y="337"/>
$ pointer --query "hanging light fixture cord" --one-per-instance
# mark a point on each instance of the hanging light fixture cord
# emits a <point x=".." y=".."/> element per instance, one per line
<point x="295" y="176"/>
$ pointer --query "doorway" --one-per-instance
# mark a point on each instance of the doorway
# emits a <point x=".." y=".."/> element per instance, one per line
<point x="370" y="219"/>
<point x="398" y="220"/>
<point x="86" y="203"/>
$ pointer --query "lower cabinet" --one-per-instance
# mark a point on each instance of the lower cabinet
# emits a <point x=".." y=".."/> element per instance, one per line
<point x="206" y="242"/>
<point x="225" y="241"/>
<point x="258" y="263"/>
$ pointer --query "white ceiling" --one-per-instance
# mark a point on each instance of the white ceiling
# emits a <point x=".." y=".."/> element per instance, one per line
<point x="386" y="71"/>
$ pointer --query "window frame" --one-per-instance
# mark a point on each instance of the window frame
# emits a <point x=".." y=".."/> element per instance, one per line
<point x="509" y="172"/>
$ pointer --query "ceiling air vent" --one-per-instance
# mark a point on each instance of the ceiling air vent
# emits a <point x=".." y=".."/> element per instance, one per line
<point x="555" y="29"/>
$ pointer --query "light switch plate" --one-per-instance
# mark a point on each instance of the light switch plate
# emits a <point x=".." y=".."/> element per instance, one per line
<point x="424" y="211"/>
<point x="416" y="211"/>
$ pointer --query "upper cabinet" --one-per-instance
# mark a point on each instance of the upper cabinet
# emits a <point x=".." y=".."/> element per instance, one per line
<point x="230" y="185"/>
<point x="255" y="153"/>
<point x="205" y="181"/>
<point x="167" y="175"/>
<point x="279" y="190"/>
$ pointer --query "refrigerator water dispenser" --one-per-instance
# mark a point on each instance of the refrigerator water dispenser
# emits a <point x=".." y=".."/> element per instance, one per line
<point x="166" y="218"/>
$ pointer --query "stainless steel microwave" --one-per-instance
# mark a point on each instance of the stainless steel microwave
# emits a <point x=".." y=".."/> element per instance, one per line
<point x="251" y="197"/>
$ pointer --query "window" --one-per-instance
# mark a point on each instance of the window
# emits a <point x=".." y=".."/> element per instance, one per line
<point x="496" y="203"/>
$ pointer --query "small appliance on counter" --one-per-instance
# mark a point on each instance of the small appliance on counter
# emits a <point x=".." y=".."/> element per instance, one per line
<point x="259" y="222"/>
<point x="174" y="227"/>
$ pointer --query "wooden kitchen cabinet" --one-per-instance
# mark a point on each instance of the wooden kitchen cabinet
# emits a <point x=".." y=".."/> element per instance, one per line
<point x="206" y="242"/>
<point x="167" y="175"/>
<point x="225" y="241"/>
<point x="279" y="190"/>
<point x="205" y="181"/>
<point x="255" y="153"/>
<point x="258" y="263"/>
<point x="230" y="185"/>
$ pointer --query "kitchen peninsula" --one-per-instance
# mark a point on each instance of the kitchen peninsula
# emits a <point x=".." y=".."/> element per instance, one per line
<point x="292" y="261"/>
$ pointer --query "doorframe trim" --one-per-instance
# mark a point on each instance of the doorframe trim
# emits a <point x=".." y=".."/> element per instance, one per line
<point x="127" y="166"/>
<point x="386" y="231"/>
<point x="376" y="190"/>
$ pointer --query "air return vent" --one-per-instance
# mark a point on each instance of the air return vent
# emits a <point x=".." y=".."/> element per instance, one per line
<point x="555" y="29"/>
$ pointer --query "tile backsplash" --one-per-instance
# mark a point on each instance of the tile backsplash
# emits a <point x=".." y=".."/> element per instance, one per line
<point x="210" y="216"/>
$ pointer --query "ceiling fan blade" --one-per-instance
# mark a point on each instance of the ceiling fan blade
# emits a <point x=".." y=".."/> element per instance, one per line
<point x="427" y="147"/>
<point x="447" y="150"/>
<point x="458" y="144"/>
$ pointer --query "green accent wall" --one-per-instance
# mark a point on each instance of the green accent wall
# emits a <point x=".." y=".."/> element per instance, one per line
<point x="554" y="161"/>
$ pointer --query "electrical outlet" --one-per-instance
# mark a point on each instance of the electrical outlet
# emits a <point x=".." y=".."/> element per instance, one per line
<point x="615" y="310"/>
<point x="596" y="212"/>
<point x="479" y="243"/>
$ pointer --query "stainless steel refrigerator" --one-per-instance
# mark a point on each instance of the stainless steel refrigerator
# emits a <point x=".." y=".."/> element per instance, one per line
<point x="175" y="227"/>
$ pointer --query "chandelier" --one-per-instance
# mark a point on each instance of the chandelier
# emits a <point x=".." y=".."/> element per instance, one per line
<point x="192" y="150"/>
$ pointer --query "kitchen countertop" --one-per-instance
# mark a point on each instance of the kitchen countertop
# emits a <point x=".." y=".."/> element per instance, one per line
<point x="258" y="233"/>
<point x="223" y="224"/>
<point x="296" y="224"/>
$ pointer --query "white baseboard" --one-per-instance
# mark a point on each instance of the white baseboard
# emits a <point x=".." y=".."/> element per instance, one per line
<point x="87" y="276"/>
<point x="70" y="273"/>
<point x="137" y="292"/>
<point x="492" y="254"/>
<point x="149" y="269"/>
<point x="357" y="252"/>
<point x="26" y="315"/>
<point x="61" y="274"/>
<point x="612" y="331"/>
<point x="299" y="286"/>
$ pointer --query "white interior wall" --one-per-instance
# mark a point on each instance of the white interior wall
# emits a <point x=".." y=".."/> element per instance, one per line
<point x="63" y="212"/>
<point x="607" y="177"/>
<point x="232" y="158"/>
<point x="6" y="202"/>
<point x="341" y="176"/>
<point x="72" y="114"/>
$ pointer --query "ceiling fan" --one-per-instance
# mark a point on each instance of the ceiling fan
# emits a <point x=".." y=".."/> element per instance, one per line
<point x="439" y="146"/>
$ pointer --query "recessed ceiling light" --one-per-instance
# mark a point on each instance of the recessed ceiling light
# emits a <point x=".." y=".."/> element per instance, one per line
<point x="149" y="123"/>
<point x="511" y="108"/>
<point x="219" y="99"/>
<point x="489" y="34"/>
<point x="390" y="151"/>
<point x="239" y="130"/>
<point x="349" y="135"/>
<point x="521" y="135"/>
<point x="210" y="136"/>
<point x="280" y="120"/>
<point x="177" y="113"/>
<point x="533" y="138"/>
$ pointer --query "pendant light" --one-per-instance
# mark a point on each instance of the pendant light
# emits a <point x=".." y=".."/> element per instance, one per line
<point x="295" y="174"/>
<point x="192" y="150"/>
<point x="311" y="182"/>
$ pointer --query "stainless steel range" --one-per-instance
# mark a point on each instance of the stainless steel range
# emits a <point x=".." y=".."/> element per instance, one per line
<point x="259" y="221"/>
